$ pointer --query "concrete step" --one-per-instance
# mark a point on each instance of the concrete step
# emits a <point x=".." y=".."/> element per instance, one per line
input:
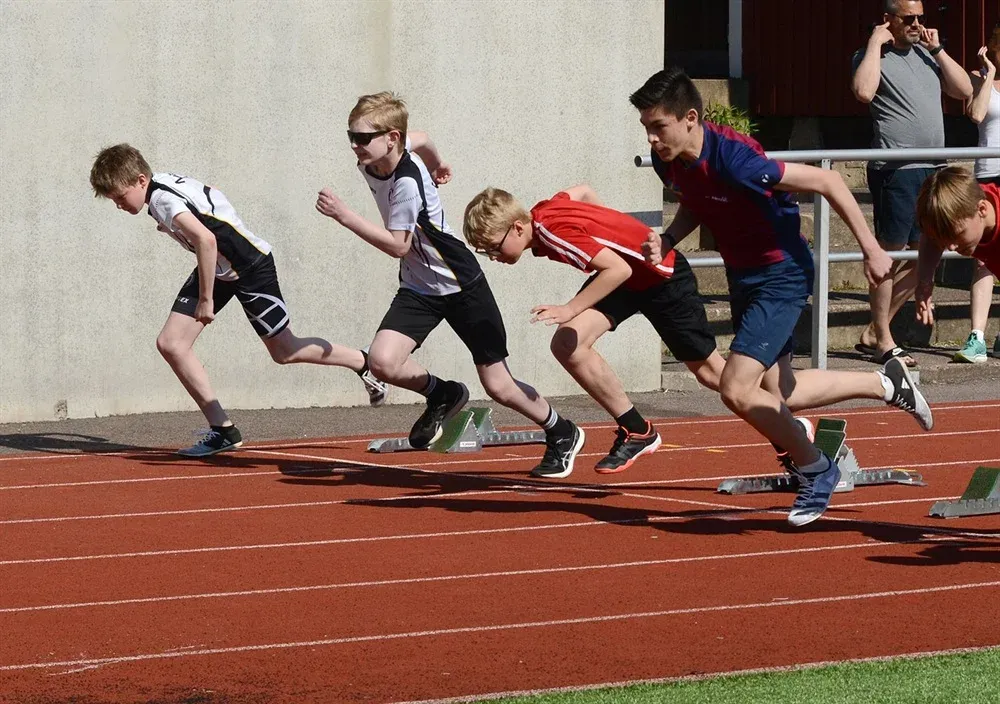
<point x="849" y="314"/>
<point x="934" y="367"/>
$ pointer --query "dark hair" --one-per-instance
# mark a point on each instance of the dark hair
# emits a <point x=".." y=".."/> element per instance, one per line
<point x="670" y="89"/>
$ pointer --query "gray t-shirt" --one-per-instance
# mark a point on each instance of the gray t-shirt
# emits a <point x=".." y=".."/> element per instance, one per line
<point x="907" y="105"/>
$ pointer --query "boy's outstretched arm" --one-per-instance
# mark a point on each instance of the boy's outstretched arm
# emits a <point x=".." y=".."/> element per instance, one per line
<point x="927" y="261"/>
<point x="206" y="249"/>
<point x="420" y="142"/>
<point x="803" y="178"/>
<point x="656" y="247"/>
<point x="612" y="271"/>
<point x="395" y="243"/>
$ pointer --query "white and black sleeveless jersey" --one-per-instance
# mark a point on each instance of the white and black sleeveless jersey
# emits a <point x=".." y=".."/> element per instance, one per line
<point x="171" y="194"/>
<point x="438" y="262"/>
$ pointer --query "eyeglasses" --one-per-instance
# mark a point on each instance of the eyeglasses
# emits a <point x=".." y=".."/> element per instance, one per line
<point x="363" y="139"/>
<point x="495" y="249"/>
<point x="908" y="20"/>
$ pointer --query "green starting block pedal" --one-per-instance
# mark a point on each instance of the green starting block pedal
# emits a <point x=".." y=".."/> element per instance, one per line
<point x="469" y="430"/>
<point x="980" y="498"/>
<point x="831" y="440"/>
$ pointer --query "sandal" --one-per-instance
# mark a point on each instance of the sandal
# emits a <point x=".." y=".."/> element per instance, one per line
<point x="895" y="353"/>
<point x="864" y="349"/>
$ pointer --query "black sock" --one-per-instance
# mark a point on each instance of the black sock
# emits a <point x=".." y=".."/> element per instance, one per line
<point x="555" y="424"/>
<point x="633" y="422"/>
<point x="364" y="367"/>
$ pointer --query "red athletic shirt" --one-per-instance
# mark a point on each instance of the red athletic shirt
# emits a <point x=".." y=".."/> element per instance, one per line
<point x="988" y="251"/>
<point x="574" y="232"/>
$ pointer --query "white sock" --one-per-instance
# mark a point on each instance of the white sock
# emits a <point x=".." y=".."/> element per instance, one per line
<point x="887" y="384"/>
<point x="815" y="467"/>
<point x="979" y="335"/>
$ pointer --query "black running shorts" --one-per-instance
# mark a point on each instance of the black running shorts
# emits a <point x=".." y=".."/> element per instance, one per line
<point x="472" y="313"/>
<point x="674" y="308"/>
<point x="257" y="291"/>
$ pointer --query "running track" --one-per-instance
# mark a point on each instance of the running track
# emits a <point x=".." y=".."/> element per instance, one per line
<point x="313" y="572"/>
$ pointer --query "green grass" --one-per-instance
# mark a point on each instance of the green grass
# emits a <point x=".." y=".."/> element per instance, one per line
<point x="972" y="678"/>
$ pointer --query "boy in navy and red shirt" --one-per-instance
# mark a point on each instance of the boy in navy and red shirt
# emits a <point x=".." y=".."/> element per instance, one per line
<point x="724" y="180"/>
<point x="574" y="228"/>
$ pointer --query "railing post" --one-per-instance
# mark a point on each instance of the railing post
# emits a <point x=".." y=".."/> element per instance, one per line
<point x="821" y="282"/>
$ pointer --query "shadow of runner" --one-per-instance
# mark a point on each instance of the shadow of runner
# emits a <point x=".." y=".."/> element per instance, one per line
<point x="64" y="443"/>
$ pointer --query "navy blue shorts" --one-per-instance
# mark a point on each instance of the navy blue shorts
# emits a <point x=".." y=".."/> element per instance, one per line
<point x="766" y="303"/>
<point x="894" y="200"/>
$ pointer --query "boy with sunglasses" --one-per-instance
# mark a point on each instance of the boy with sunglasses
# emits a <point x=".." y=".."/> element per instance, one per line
<point x="232" y="262"/>
<point x="439" y="278"/>
<point x="573" y="227"/>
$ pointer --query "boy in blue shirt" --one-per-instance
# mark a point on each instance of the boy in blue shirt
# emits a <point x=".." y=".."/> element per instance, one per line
<point x="724" y="180"/>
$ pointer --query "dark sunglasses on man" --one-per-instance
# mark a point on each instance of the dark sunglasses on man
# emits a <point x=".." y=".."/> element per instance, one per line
<point x="908" y="20"/>
<point x="363" y="139"/>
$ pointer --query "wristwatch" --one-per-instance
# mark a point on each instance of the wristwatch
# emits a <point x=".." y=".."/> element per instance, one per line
<point x="936" y="50"/>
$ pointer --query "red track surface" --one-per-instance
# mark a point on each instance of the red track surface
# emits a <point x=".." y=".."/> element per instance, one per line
<point x="314" y="572"/>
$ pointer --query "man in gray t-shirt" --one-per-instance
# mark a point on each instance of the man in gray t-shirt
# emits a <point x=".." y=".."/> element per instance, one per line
<point x="901" y="74"/>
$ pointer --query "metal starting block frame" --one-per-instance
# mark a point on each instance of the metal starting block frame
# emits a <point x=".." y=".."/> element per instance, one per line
<point x="831" y="436"/>
<point x="469" y="430"/>
<point x="981" y="497"/>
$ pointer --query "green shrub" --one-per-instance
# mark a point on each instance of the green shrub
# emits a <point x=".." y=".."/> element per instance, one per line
<point x="730" y="115"/>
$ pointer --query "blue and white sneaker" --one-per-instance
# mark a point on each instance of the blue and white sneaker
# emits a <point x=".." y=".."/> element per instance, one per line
<point x="815" y="491"/>
<point x="974" y="351"/>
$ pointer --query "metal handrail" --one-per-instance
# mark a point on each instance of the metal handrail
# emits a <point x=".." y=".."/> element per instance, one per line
<point x="821" y="222"/>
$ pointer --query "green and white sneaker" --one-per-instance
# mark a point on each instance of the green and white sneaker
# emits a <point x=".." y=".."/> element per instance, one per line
<point x="974" y="351"/>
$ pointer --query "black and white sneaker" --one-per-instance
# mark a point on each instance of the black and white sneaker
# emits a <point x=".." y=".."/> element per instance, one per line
<point x="906" y="395"/>
<point x="430" y="424"/>
<point x="215" y="440"/>
<point x="377" y="389"/>
<point x="627" y="448"/>
<point x="560" y="451"/>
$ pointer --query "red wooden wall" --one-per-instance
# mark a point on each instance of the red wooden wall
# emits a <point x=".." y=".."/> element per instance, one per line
<point x="797" y="53"/>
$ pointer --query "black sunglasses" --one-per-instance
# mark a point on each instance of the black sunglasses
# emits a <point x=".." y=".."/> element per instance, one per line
<point x="363" y="139"/>
<point x="908" y="20"/>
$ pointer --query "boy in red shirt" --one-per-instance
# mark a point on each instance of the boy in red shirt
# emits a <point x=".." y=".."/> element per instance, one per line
<point x="574" y="228"/>
<point x="958" y="214"/>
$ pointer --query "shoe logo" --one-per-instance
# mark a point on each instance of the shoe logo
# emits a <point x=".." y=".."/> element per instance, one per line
<point x="904" y="385"/>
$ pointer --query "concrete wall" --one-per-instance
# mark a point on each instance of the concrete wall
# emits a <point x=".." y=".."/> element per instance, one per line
<point x="253" y="98"/>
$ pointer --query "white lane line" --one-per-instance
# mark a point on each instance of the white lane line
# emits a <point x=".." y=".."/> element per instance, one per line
<point x="595" y="426"/>
<point x="414" y="466"/>
<point x="704" y="676"/>
<point x="493" y="628"/>
<point x="457" y="577"/>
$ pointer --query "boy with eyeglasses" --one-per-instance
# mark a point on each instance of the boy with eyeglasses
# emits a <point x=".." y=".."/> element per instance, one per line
<point x="439" y="278"/>
<point x="573" y="227"/>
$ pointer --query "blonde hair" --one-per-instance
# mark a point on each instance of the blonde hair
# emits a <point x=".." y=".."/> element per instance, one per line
<point x="948" y="195"/>
<point x="384" y="111"/>
<point x="117" y="167"/>
<point x="490" y="214"/>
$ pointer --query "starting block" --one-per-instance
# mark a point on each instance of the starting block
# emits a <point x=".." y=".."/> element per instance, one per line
<point x="469" y="430"/>
<point x="981" y="497"/>
<point x="831" y="436"/>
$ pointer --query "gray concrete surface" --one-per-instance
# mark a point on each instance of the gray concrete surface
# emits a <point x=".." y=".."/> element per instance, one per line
<point x="253" y="97"/>
<point x="941" y="381"/>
